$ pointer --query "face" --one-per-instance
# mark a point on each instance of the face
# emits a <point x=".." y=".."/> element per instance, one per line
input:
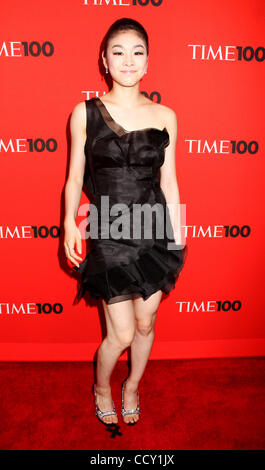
<point x="126" y="58"/>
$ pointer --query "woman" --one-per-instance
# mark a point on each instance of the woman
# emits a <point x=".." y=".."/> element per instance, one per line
<point x="122" y="162"/>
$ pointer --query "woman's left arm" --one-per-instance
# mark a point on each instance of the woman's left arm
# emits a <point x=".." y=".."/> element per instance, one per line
<point x="168" y="178"/>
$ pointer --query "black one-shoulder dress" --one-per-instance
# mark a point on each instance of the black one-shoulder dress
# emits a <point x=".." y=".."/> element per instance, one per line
<point x="126" y="260"/>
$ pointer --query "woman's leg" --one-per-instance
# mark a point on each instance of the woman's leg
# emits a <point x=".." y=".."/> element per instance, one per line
<point x="145" y="315"/>
<point x="120" y="321"/>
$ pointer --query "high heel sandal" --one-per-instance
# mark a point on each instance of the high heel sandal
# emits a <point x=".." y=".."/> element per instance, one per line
<point x="129" y="412"/>
<point x="100" y="414"/>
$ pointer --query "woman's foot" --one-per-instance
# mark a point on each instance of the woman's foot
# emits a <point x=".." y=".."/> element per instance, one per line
<point x="104" y="402"/>
<point x="130" y="401"/>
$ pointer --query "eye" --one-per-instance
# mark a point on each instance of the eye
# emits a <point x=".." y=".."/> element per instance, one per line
<point x="119" y="53"/>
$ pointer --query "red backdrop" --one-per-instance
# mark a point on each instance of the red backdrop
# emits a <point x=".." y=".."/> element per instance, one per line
<point x="207" y="63"/>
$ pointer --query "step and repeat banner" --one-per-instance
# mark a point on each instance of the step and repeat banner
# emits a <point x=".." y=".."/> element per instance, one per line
<point x="206" y="62"/>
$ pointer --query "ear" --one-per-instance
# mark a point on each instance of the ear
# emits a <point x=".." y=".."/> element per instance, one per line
<point x="104" y="60"/>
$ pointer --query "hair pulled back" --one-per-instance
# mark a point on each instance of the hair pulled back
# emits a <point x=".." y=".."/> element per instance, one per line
<point x="125" y="24"/>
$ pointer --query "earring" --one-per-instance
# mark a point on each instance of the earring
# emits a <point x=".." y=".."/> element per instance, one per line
<point x="107" y="70"/>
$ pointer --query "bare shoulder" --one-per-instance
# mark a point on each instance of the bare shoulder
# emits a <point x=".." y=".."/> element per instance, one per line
<point x="79" y="110"/>
<point x="167" y="115"/>
<point x="78" y="117"/>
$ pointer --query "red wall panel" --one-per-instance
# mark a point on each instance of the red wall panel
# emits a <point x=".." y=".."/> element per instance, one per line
<point x="207" y="63"/>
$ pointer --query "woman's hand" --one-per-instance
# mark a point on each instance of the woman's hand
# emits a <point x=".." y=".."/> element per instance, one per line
<point x="72" y="237"/>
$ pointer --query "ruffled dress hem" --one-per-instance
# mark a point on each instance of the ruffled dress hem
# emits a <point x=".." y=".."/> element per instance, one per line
<point x="155" y="269"/>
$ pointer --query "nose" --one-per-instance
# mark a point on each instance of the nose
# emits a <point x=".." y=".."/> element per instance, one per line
<point x="128" y="60"/>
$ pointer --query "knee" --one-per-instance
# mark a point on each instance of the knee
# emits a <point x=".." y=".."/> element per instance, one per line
<point x="124" y="339"/>
<point x="145" y="327"/>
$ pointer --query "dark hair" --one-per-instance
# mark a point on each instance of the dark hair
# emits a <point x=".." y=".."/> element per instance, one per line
<point x="125" y="24"/>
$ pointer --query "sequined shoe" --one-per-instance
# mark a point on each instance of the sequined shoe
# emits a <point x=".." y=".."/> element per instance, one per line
<point x="129" y="412"/>
<point x="100" y="414"/>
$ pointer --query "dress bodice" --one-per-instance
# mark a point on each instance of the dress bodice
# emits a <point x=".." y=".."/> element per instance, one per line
<point x="115" y="155"/>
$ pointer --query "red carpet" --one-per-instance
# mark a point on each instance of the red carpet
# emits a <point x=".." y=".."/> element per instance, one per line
<point x="185" y="404"/>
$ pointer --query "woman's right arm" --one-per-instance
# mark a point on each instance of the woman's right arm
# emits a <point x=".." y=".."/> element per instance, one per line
<point x="74" y="184"/>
